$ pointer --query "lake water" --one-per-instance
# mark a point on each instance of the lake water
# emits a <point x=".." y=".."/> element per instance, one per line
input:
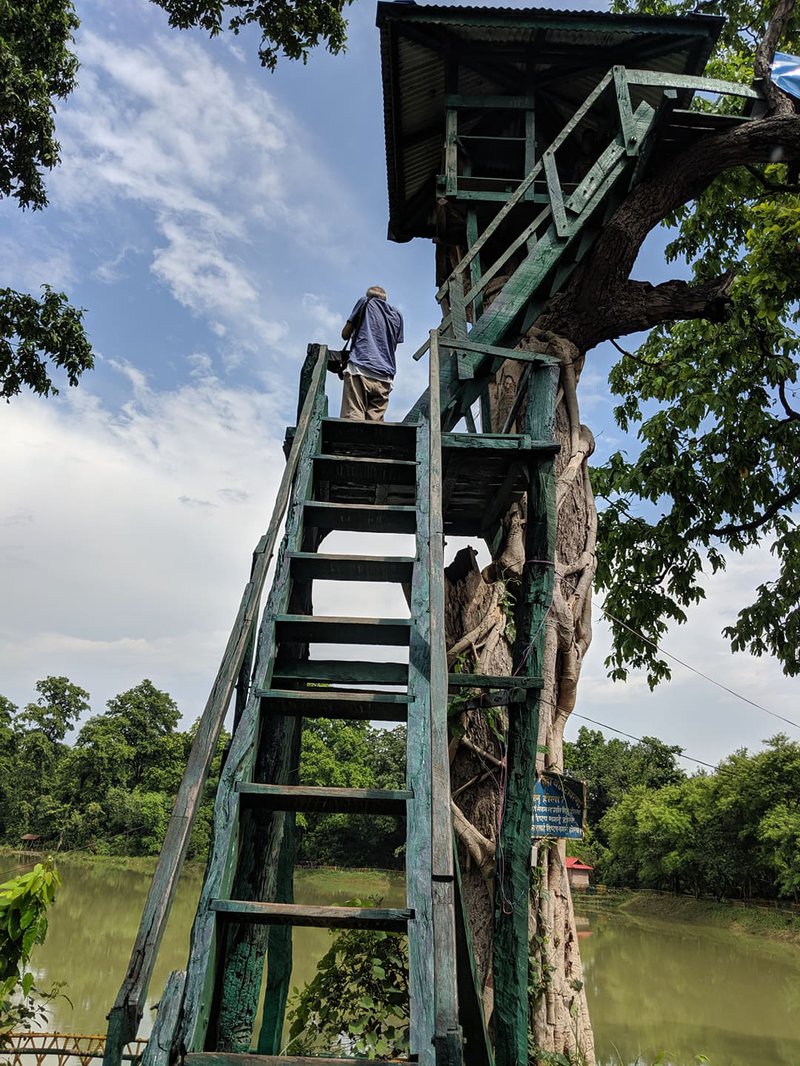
<point x="653" y="986"/>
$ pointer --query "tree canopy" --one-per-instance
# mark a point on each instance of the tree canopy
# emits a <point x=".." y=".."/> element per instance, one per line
<point x="711" y="394"/>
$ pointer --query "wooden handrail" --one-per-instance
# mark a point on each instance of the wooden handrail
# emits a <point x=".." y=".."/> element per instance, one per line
<point x="125" y="1015"/>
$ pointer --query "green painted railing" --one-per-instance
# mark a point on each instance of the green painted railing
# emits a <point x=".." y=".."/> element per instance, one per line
<point x="129" y="1005"/>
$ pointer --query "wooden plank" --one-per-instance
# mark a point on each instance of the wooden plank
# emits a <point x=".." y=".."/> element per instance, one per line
<point x="332" y="800"/>
<point x="418" y="835"/>
<point x="512" y="879"/>
<point x="555" y="194"/>
<point x="325" y="629"/>
<point x="451" y="152"/>
<point x="160" y="1049"/>
<point x="475" y="265"/>
<point x="489" y="681"/>
<point x="342" y="671"/>
<point x="691" y="81"/>
<point x="470" y="997"/>
<point x="490" y="349"/>
<point x="215" y="1058"/>
<point x="360" y="517"/>
<point x="129" y="1005"/>
<point x="391" y="919"/>
<point x="337" y="703"/>
<point x="313" y="566"/>
<point x="387" y="439"/>
<point x="447" y="1032"/>
<point x="493" y="103"/>
<point x="364" y="469"/>
<point x="627" y="125"/>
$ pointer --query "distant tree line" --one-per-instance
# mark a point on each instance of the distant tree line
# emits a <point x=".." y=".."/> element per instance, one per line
<point x="109" y="788"/>
<point x="733" y="833"/>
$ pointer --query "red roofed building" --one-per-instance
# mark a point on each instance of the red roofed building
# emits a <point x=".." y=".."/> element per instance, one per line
<point x="578" y="873"/>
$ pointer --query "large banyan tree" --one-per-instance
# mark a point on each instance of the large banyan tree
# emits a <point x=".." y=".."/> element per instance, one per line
<point x="709" y="394"/>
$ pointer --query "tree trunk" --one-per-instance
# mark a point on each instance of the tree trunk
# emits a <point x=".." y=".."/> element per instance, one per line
<point x="479" y="612"/>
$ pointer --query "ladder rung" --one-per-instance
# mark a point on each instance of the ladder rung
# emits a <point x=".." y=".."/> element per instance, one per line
<point x="298" y="914"/>
<point x="361" y="517"/>
<point x="489" y="681"/>
<point x="488" y="442"/>
<point x="342" y="671"/>
<point x="337" y="703"/>
<point x="390" y="440"/>
<point x="311" y="566"/>
<point x="337" y="800"/>
<point x="232" y="1058"/>
<point x="324" y="629"/>
<point x="365" y="469"/>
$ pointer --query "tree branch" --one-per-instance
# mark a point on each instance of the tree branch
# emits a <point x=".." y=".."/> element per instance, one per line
<point x="792" y="415"/>
<point x="587" y="308"/>
<point x="779" y="102"/>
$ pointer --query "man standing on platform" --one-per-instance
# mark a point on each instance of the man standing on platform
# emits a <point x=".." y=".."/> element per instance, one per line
<point x="376" y="328"/>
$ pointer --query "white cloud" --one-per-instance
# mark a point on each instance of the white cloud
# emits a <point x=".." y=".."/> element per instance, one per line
<point x="107" y="575"/>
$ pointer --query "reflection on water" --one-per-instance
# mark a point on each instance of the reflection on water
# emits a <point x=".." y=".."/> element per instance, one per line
<point x="96" y="917"/>
<point x="657" y="986"/>
<point x="653" y="986"/>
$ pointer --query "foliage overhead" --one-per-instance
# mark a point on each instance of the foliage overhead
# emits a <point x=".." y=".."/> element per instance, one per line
<point x="36" y="65"/>
<point x="715" y="407"/>
<point x="288" y="27"/>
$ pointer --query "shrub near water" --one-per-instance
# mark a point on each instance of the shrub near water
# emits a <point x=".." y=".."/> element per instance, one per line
<point x="358" y="1000"/>
<point x="23" y="924"/>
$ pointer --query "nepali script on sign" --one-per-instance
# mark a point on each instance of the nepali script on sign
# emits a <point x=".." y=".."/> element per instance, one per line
<point x="559" y="807"/>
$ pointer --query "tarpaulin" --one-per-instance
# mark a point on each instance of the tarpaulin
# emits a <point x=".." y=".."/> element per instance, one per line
<point x="786" y="73"/>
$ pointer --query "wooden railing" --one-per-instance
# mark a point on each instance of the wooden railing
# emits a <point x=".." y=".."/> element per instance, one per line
<point x="125" y="1015"/>
<point x="462" y="293"/>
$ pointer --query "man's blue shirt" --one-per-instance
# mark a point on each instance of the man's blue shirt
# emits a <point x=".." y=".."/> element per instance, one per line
<point x="378" y="336"/>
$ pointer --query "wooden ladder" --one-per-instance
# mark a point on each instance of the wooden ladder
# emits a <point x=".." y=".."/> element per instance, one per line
<point x="246" y="910"/>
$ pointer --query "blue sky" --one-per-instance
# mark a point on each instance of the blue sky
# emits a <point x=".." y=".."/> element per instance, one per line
<point x="214" y="219"/>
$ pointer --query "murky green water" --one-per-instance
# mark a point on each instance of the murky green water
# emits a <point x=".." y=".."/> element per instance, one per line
<point x="653" y="986"/>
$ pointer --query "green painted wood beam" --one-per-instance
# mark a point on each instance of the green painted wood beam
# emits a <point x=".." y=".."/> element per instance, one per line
<point x="330" y="800"/>
<point x="391" y="919"/>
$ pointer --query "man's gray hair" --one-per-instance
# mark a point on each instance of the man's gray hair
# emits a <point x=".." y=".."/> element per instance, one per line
<point x="376" y="290"/>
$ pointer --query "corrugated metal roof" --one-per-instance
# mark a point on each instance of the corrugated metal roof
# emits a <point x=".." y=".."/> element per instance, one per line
<point x="569" y="51"/>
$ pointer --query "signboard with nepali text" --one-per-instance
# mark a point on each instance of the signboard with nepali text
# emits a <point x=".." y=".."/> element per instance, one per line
<point x="559" y="807"/>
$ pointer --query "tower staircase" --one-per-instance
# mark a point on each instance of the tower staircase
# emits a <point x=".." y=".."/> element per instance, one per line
<point x="424" y="479"/>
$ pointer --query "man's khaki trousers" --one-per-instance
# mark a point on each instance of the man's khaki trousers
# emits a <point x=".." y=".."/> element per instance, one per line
<point x="364" y="399"/>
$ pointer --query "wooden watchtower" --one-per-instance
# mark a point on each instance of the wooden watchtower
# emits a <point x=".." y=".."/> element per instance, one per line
<point x="511" y="134"/>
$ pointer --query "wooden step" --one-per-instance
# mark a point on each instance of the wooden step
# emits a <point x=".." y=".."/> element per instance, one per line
<point x="342" y="672"/>
<point x="385" y="440"/>
<point x="296" y="914"/>
<point x="342" y="704"/>
<point x="330" y="629"/>
<point x="312" y="566"/>
<point x="498" y="442"/>
<point x="232" y="1058"/>
<point x="489" y="681"/>
<point x="365" y="470"/>
<point x="330" y="800"/>
<point x="361" y="517"/>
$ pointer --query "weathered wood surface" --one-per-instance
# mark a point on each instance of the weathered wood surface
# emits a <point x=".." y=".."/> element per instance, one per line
<point x="311" y="566"/>
<point x="129" y="1005"/>
<point x="418" y="776"/>
<point x="336" y="703"/>
<point x="361" y="517"/>
<point x="313" y="798"/>
<point x="512" y="882"/>
<point x="161" y="1044"/>
<point x="214" y="1058"/>
<point x="447" y="1032"/>
<point x="330" y="629"/>
<point x="361" y="672"/>
<point x="393" y="919"/>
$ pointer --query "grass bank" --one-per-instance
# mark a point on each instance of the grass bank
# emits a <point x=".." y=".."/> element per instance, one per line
<point x="747" y="921"/>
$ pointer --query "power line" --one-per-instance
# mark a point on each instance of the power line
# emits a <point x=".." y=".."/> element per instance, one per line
<point x="640" y="740"/>
<point x="681" y="662"/>
<point x="694" y="670"/>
